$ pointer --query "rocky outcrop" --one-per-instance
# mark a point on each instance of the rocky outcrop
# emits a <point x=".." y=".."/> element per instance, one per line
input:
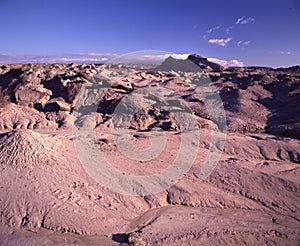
<point x="57" y="104"/>
<point x="255" y="99"/>
<point x="32" y="96"/>
<point x="205" y="64"/>
<point x="43" y="88"/>
<point x="172" y="64"/>
<point x="261" y="99"/>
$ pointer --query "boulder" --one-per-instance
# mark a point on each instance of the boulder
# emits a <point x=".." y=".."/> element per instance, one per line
<point x="57" y="104"/>
<point x="10" y="79"/>
<point x="73" y="89"/>
<point x="31" y="95"/>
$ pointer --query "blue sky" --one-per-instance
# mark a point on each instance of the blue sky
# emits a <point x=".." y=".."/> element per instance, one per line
<point x="256" y="32"/>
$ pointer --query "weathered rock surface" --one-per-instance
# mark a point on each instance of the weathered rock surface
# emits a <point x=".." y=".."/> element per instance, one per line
<point x="251" y="197"/>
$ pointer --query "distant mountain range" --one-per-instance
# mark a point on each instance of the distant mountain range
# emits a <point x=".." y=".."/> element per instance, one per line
<point x="143" y="57"/>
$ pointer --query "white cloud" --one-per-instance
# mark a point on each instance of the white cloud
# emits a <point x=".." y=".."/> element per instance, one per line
<point x="235" y="63"/>
<point x="76" y="60"/>
<point x="213" y="29"/>
<point x="91" y="54"/>
<point x="244" y="43"/>
<point x="66" y="58"/>
<point x="243" y="20"/>
<point x="228" y="29"/>
<point x="180" y="56"/>
<point x="222" y="42"/>
<point x="164" y="56"/>
<point x="225" y="63"/>
<point x="285" y="53"/>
